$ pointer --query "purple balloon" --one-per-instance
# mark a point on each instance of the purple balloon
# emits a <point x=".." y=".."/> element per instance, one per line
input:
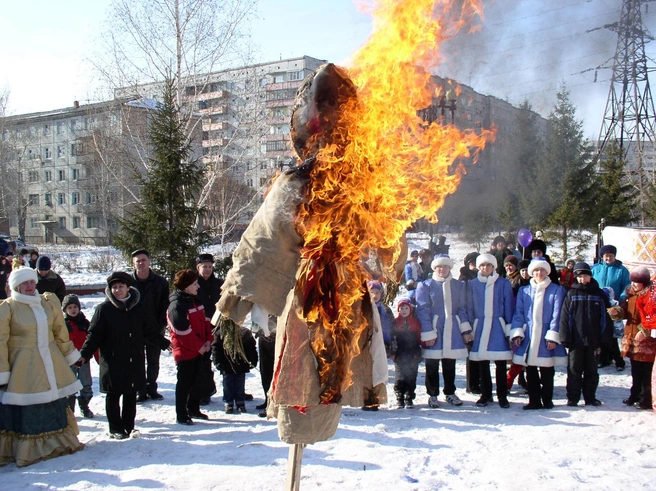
<point x="524" y="237"/>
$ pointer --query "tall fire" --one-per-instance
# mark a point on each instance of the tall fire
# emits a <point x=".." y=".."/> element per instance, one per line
<point x="382" y="169"/>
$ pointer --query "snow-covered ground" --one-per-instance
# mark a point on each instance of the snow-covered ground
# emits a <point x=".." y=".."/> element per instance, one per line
<point x="607" y="448"/>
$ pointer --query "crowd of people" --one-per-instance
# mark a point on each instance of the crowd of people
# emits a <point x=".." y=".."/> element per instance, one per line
<point x="502" y="308"/>
<point x="521" y="312"/>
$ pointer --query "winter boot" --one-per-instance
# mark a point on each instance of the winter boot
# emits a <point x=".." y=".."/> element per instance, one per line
<point x="400" y="402"/>
<point x="84" y="407"/>
<point x="409" y="402"/>
<point x="71" y="403"/>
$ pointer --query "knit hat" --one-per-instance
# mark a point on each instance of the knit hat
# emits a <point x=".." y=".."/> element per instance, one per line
<point x="471" y="257"/>
<point x="570" y="260"/>
<point x="21" y="275"/>
<point x="538" y="245"/>
<point x="499" y="238"/>
<point x="608" y="249"/>
<point x="582" y="268"/>
<point x="511" y="258"/>
<point x="404" y="301"/>
<point x="184" y="278"/>
<point x="43" y="263"/>
<point x="441" y="260"/>
<point x="23" y="251"/>
<point x="523" y="264"/>
<point x="374" y="285"/>
<point x="610" y="293"/>
<point x="640" y="275"/>
<point x="203" y="258"/>
<point x="486" y="259"/>
<point x="538" y="263"/>
<point x="71" y="300"/>
<point x="119" y="276"/>
<point x="414" y="254"/>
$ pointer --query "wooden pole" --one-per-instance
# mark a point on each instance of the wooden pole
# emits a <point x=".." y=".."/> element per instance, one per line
<point x="294" y="462"/>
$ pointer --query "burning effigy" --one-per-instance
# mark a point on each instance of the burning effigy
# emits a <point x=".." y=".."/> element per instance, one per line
<point x="369" y="167"/>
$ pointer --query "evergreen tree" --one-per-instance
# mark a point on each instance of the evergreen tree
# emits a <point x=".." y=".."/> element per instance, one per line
<point x="570" y="182"/>
<point x="618" y="195"/>
<point x="525" y="169"/>
<point x="165" y="220"/>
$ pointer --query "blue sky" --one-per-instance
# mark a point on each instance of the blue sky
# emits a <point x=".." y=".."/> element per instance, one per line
<point x="524" y="50"/>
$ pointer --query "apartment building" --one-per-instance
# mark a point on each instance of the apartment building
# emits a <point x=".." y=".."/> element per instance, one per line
<point x="68" y="174"/>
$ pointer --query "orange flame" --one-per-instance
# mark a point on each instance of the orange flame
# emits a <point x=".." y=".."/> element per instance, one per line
<point x="390" y="170"/>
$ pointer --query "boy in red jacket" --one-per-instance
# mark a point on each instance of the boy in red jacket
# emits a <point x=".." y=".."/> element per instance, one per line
<point x="405" y="351"/>
<point x="78" y="325"/>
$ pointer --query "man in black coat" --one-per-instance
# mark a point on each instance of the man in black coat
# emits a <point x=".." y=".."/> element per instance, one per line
<point x="208" y="294"/>
<point x="119" y="328"/>
<point x="49" y="281"/>
<point x="154" y="297"/>
<point x="584" y="327"/>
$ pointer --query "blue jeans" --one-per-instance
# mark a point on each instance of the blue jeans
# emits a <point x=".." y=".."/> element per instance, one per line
<point x="84" y="375"/>
<point x="234" y="389"/>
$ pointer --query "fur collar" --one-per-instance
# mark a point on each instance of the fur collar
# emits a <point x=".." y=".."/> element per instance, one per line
<point x="129" y="304"/>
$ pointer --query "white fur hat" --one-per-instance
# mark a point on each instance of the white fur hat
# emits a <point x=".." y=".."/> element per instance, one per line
<point x="538" y="263"/>
<point x="21" y="275"/>
<point x="441" y="260"/>
<point x="486" y="259"/>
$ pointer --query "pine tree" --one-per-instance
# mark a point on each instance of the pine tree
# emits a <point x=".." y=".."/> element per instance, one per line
<point x="618" y="203"/>
<point x="165" y="220"/>
<point x="569" y="182"/>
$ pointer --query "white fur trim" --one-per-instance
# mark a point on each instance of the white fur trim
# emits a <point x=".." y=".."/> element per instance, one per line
<point x="536" y="328"/>
<point x="552" y="336"/>
<point x="41" y="397"/>
<point x="486" y="258"/>
<point x="441" y="261"/>
<point x="21" y="275"/>
<point x="428" y="335"/>
<point x="72" y="357"/>
<point x="4" y="378"/>
<point x="518" y="332"/>
<point x="465" y="327"/>
<point x="538" y="264"/>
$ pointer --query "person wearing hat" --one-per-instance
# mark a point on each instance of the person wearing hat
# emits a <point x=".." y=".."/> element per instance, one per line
<point x="584" y="327"/>
<point x="535" y="335"/>
<point x="191" y="337"/>
<point x="78" y="327"/>
<point x="49" y="281"/>
<point x="567" y="274"/>
<point x="500" y="252"/>
<point x="209" y="292"/>
<point x="35" y="357"/>
<point x="538" y="248"/>
<point x="120" y="327"/>
<point x="24" y="257"/>
<point x="510" y="264"/>
<point x="610" y="271"/>
<point x="638" y="345"/>
<point x="469" y="272"/>
<point x="445" y="330"/>
<point x="154" y="296"/>
<point x="490" y="308"/>
<point x="412" y="274"/>
<point x="405" y="351"/>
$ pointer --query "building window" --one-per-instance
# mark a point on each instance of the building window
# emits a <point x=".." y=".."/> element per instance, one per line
<point x="93" y="222"/>
<point x="296" y="75"/>
<point x="61" y="199"/>
<point x="263" y="181"/>
<point x="33" y="223"/>
<point x="47" y="153"/>
<point x="76" y="222"/>
<point x="73" y="150"/>
<point x="48" y="199"/>
<point x="276" y="145"/>
<point x="60" y="127"/>
<point x="61" y="153"/>
<point x="90" y="198"/>
<point x="75" y="198"/>
<point x="76" y="174"/>
<point x="33" y="200"/>
<point x="33" y="176"/>
<point x="278" y="78"/>
<point x="61" y="175"/>
<point x="249" y="166"/>
<point x="249" y="182"/>
<point x="46" y="129"/>
<point x="48" y="175"/>
<point x="62" y="222"/>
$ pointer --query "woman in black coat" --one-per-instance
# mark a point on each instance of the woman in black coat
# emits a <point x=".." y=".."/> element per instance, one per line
<point x="119" y="328"/>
